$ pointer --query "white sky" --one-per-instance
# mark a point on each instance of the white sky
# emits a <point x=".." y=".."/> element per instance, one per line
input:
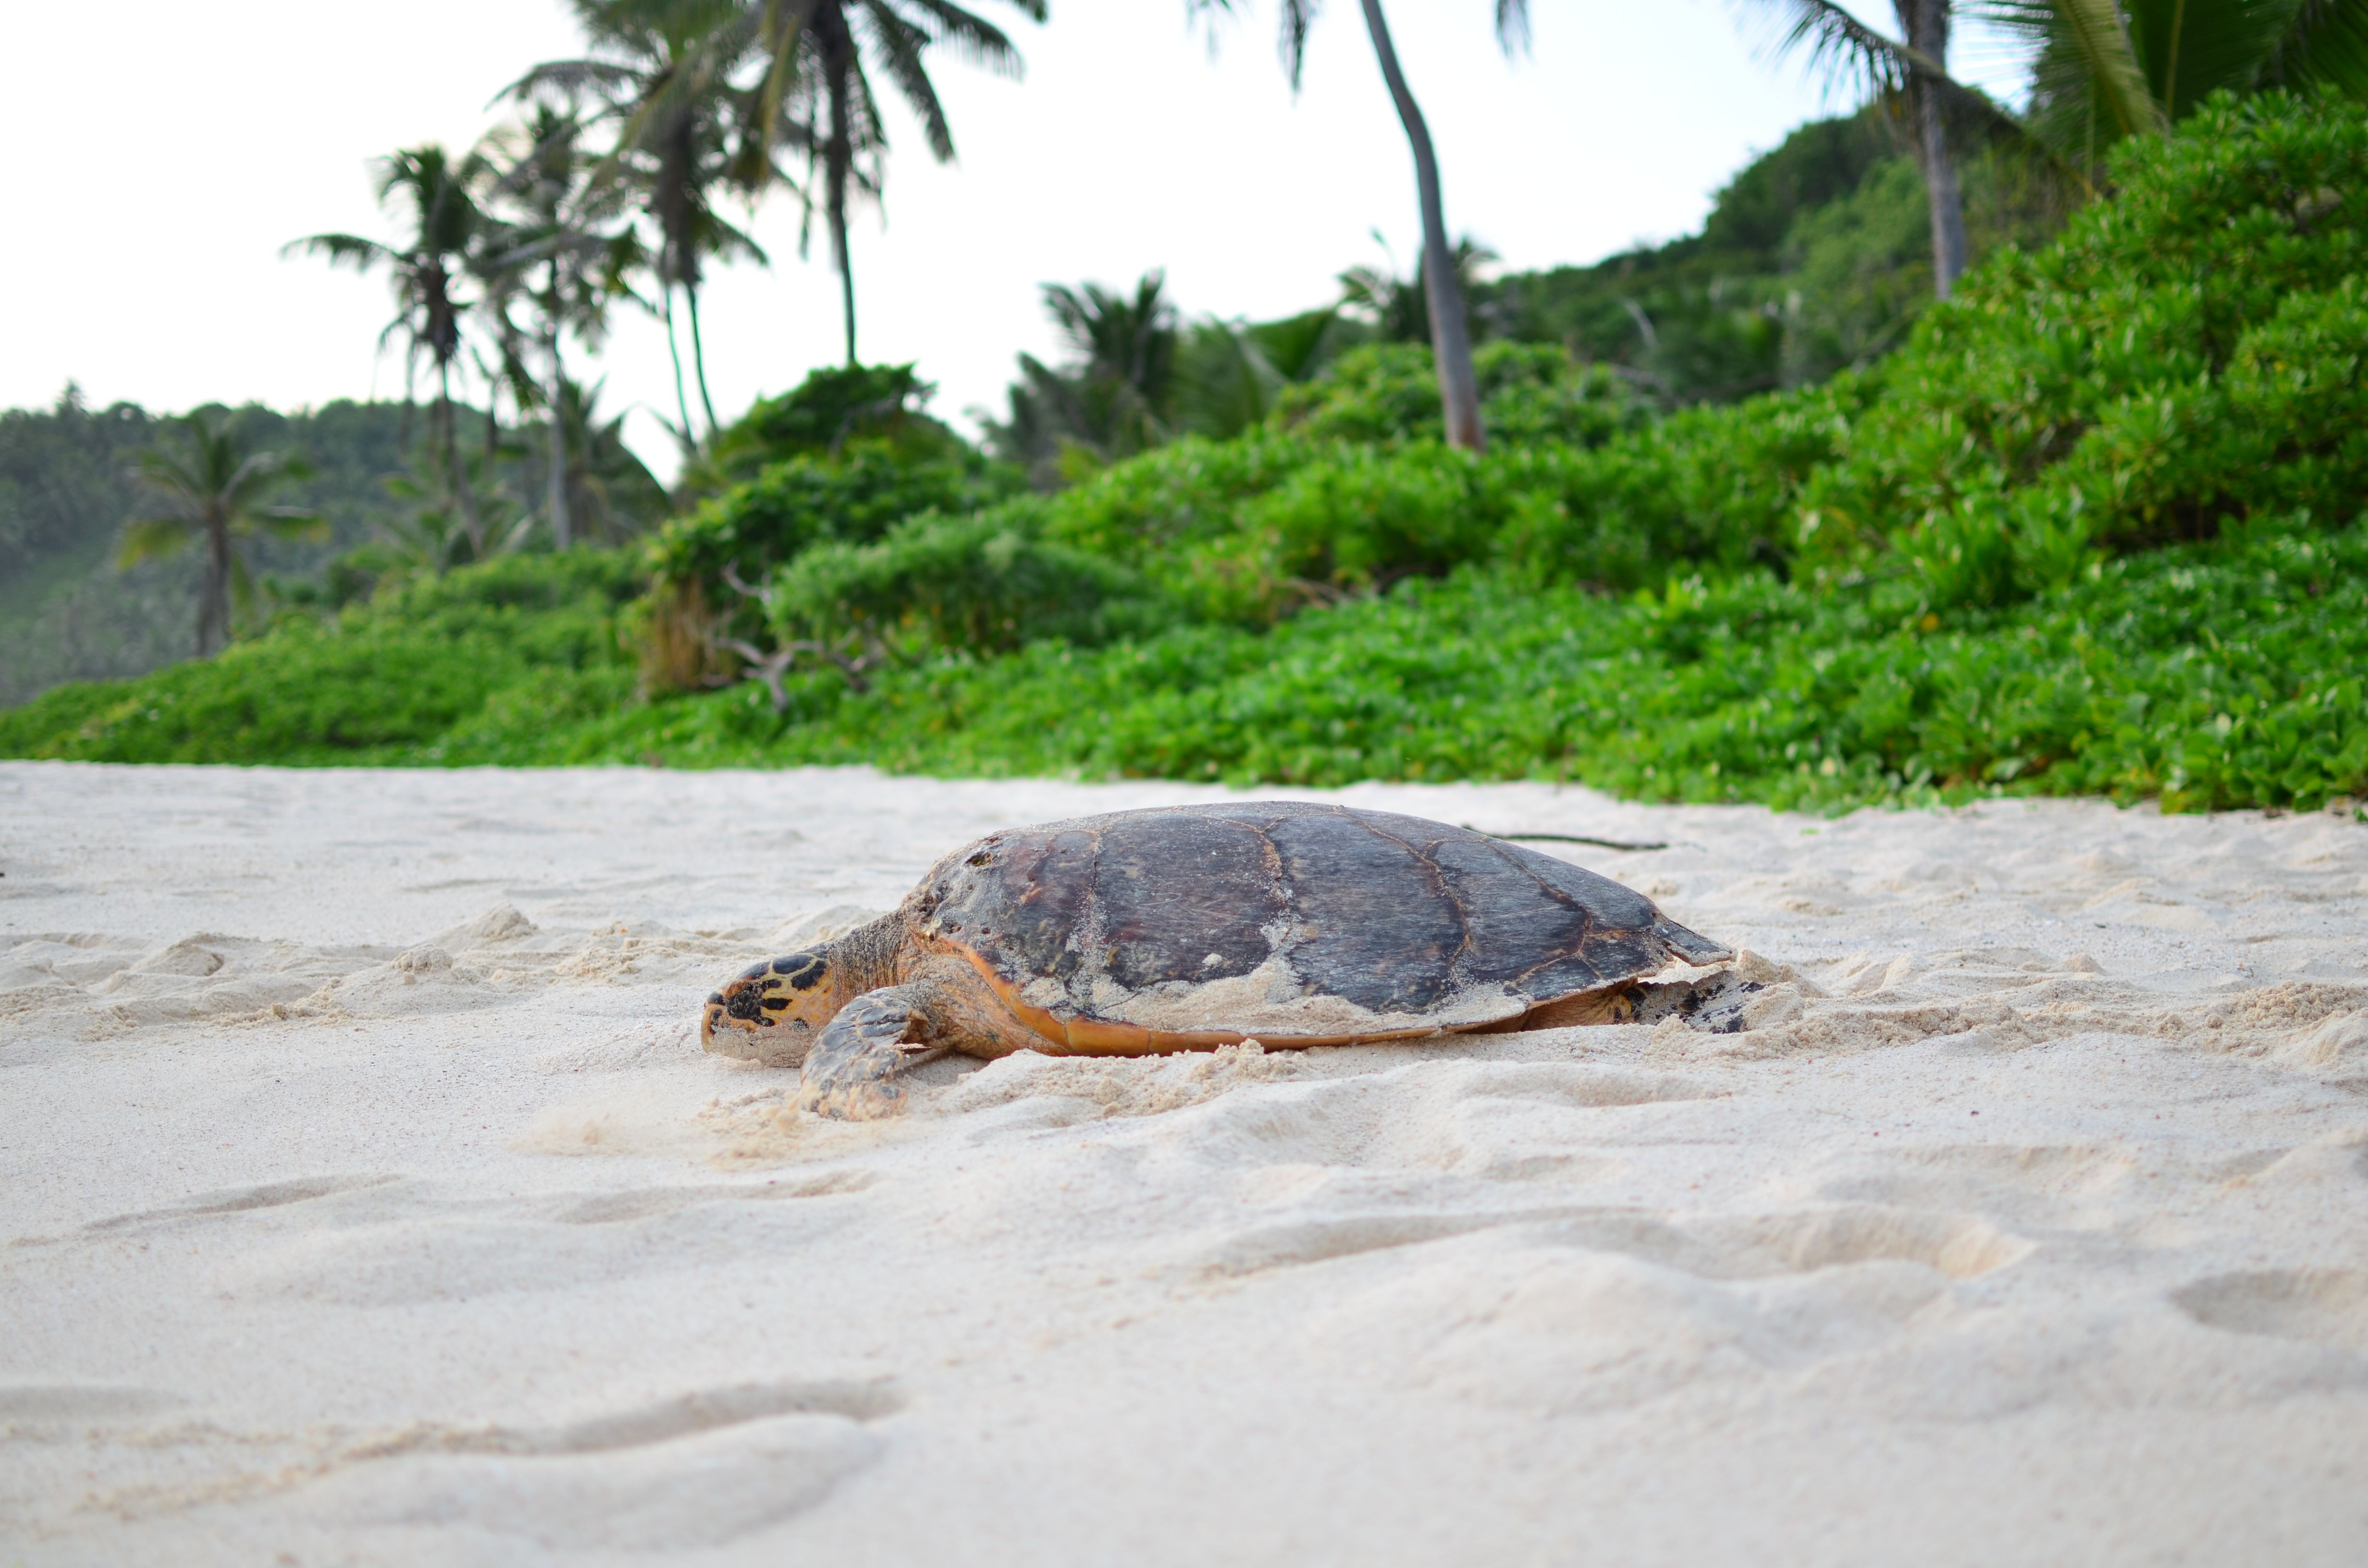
<point x="152" y="196"/>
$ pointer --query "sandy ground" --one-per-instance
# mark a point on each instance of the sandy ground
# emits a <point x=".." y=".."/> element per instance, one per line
<point x="365" y="1198"/>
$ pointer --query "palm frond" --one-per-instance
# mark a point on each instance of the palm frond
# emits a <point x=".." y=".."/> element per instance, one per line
<point x="2328" y="43"/>
<point x="294" y="522"/>
<point x="2094" y="28"/>
<point x="167" y="473"/>
<point x="351" y="249"/>
<point x="1296" y="18"/>
<point x="784" y="36"/>
<point x="2086" y="59"/>
<point x="900" y="44"/>
<point x="151" y="538"/>
<point x="1846" y="52"/>
<point x="973" y="36"/>
<point x="1513" y="26"/>
<point x="598" y="78"/>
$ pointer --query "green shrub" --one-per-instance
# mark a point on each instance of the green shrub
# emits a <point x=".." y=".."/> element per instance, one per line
<point x="2187" y="354"/>
<point x="833" y="406"/>
<point x="385" y="681"/>
<point x="852" y="496"/>
<point x="2210" y="674"/>
<point x="1530" y="394"/>
<point x="986" y="581"/>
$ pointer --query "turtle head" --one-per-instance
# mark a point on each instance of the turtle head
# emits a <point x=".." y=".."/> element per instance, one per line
<point x="772" y="1012"/>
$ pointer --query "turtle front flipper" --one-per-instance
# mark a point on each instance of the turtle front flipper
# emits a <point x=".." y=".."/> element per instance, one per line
<point x="849" y="1074"/>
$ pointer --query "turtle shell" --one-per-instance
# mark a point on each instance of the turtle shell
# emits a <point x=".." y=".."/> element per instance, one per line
<point x="1297" y="923"/>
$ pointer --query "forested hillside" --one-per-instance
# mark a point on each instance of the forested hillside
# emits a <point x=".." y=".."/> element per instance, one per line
<point x="66" y="490"/>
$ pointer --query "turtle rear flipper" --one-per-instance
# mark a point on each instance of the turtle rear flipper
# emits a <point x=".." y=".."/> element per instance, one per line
<point x="850" y="1073"/>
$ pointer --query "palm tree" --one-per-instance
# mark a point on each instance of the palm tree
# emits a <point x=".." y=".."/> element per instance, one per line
<point x="1113" y="397"/>
<point x="1912" y="69"/>
<point x="816" y="96"/>
<point x="445" y="224"/>
<point x="565" y="253"/>
<point x="211" y="493"/>
<point x="1125" y="350"/>
<point x="664" y="70"/>
<point x="611" y="494"/>
<point x="426" y="535"/>
<point x="1450" y="337"/>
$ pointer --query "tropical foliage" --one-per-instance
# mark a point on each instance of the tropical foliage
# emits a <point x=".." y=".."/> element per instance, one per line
<point x="1443" y="296"/>
<point x="2102" y="70"/>
<point x="427" y="268"/>
<point x="207" y="490"/>
<point x="2096" y="526"/>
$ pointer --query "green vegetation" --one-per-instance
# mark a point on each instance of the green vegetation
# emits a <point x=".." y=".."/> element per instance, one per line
<point x="1817" y="259"/>
<point x="2096" y="528"/>
<point x="516" y="643"/>
<point x="208" y="491"/>
<point x="68" y="481"/>
<point x="1440" y="283"/>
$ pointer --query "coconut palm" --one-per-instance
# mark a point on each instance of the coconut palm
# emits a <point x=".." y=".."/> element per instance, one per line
<point x="1115" y="394"/>
<point x="663" y="72"/>
<point x="426" y="268"/>
<point x="426" y="533"/>
<point x="566" y="252"/>
<point x="211" y="493"/>
<point x="610" y="493"/>
<point x="1912" y="73"/>
<point x="817" y="99"/>
<point x="1450" y="337"/>
<point x="1125" y="352"/>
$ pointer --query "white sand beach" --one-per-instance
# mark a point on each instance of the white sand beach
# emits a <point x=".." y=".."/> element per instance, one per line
<point x="364" y="1198"/>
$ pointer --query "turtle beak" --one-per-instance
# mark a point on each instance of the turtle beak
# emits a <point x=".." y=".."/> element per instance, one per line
<point x="711" y="1018"/>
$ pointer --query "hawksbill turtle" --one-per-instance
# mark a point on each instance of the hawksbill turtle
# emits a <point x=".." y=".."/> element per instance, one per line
<point x="1187" y="928"/>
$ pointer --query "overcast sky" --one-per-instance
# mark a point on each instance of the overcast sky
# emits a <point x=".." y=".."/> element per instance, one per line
<point x="165" y="151"/>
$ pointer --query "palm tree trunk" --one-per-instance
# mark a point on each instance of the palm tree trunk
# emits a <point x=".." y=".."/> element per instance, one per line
<point x="837" y="160"/>
<point x="562" y="526"/>
<point x="699" y="354"/>
<point x="1926" y="22"/>
<point x="1451" y="341"/>
<point x="674" y="352"/>
<point x="455" y="475"/>
<point x="846" y="273"/>
<point x="213" y="602"/>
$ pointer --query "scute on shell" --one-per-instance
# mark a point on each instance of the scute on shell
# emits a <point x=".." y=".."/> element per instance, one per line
<point x="1289" y="919"/>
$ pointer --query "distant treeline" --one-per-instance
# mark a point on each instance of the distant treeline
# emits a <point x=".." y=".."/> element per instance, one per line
<point x="66" y="488"/>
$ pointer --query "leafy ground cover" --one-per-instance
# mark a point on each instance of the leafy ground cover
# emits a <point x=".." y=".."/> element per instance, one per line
<point x="2228" y="674"/>
<point x="2094" y="529"/>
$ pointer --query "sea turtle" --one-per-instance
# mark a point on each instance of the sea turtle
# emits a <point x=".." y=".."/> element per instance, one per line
<point x="1289" y="922"/>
